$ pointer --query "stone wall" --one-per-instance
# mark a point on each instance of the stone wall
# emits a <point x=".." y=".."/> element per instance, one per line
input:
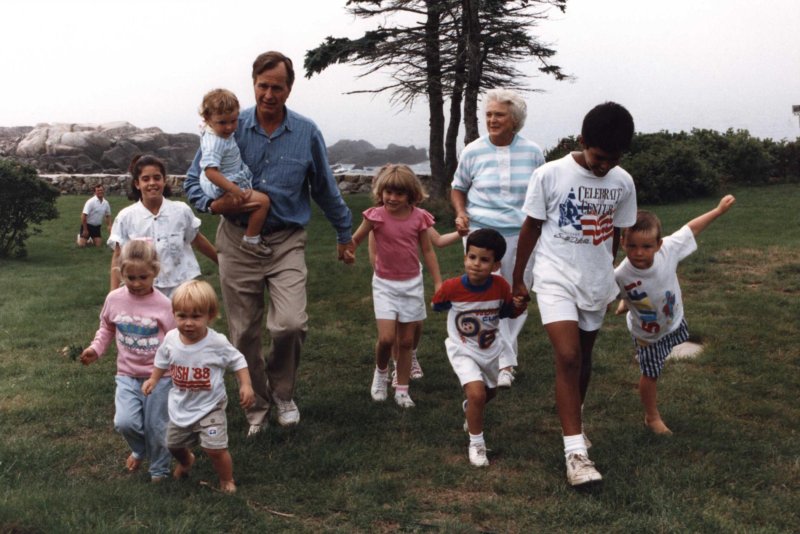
<point x="119" y="184"/>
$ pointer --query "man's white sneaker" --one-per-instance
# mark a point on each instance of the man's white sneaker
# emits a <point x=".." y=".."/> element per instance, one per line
<point x="477" y="455"/>
<point x="404" y="400"/>
<point x="505" y="378"/>
<point x="416" y="370"/>
<point x="580" y="470"/>
<point x="378" y="389"/>
<point x="288" y="414"/>
<point x="256" y="429"/>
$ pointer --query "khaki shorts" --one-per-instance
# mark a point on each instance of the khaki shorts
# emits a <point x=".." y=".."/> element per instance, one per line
<point x="211" y="432"/>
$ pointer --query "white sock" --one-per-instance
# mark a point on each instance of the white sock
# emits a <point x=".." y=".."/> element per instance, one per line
<point x="382" y="372"/>
<point x="400" y="390"/>
<point x="575" y="445"/>
<point x="476" y="439"/>
<point x="252" y="239"/>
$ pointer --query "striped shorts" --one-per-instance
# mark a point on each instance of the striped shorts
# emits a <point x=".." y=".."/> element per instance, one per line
<point x="652" y="357"/>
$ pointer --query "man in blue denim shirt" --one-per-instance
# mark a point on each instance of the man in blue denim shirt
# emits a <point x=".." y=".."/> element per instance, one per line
<point x="288" y="158"/>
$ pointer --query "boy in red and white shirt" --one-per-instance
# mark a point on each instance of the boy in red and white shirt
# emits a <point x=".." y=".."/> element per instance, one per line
<point x="476" y="302"/>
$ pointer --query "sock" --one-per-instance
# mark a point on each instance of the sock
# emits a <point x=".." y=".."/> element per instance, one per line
<point x="575" y="444"/>
<point x="400" y="390"/>
<point x="382" y="372"/>
<point x="476" y="439"/>
<point x="252" y="239"/>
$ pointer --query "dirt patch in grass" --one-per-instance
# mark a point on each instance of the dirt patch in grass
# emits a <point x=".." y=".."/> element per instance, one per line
<point x="776" y="269"/>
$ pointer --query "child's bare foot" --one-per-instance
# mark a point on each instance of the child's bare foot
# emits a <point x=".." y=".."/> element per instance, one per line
<point x="227" y="486"/>
<point x="132" y="463"/>
<point x="657" y="426"/>
<point x="182" y="471"/>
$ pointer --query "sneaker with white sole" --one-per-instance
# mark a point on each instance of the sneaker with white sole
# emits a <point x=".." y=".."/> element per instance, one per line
<point x="416" y="369"/>
<point x="378" y="388"/>
<point x="477" y="455"/>
<point x="394" y="379"/>
<point x="581" y="470"/>
<point x="288" y="414"/>
<point x="404" y="400"/>
<point x="464" y="408"/>
<point x="505" y="378"/>
<point x="256" y="429"/>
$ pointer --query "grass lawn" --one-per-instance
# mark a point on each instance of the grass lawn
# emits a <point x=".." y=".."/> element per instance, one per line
<point x="356" y="466"/>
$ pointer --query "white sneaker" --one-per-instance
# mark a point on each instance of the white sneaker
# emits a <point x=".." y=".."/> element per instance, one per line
<point x="378" y="389"/>
<point x="464" y="408"/>
<point x="416" y="370"/>
<point x="256" y="429"/>
<point x="404" y="400"/>
<point x="477" y="455"/>
<point x="394" y="379"/>
<point x="288" y="414"/>
<point x="580" y="470"/>
<point x="505" y="378"/>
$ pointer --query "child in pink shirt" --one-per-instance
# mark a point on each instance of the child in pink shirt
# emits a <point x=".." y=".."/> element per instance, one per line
<point x="399" y="227"/>
<point x="138" y="317"/>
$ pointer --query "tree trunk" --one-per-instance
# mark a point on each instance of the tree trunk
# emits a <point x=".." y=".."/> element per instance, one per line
<point x="456" y="98"/>
<point x="473" y="36"/>
<point x="438" y="184"/>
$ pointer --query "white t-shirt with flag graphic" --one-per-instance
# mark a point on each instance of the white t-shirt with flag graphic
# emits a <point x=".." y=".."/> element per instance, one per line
<point x="573" y="256"/>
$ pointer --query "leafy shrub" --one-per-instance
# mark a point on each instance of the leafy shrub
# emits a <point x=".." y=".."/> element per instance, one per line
<point x="565" y="146"/>
<point x="670" y="171"/>
<point x="25" y="200"/>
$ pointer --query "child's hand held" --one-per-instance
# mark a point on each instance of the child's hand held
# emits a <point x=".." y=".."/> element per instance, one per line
<point x="246" y="396"/>
<point x="147" y="387"/>
<point x="88" y="356"/>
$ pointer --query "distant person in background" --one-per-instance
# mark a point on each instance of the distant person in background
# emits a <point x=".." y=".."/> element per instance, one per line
<point x="170" y="226"/>
<point x="96" y="211"/>
<point x="287" y="155"/>
<point x="222" y="170"/>
<point x="488" y="191"/>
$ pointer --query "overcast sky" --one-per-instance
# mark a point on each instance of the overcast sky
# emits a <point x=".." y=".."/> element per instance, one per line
<point x="676" y="65"/>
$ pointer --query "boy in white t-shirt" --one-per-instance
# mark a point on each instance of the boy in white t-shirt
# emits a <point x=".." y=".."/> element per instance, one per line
<point x="198" y="356"/>
<point x="575" y="208"/>
<point x="650" y="291"/>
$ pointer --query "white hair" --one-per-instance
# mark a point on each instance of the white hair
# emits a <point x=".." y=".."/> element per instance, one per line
<point x="516" y="105"/>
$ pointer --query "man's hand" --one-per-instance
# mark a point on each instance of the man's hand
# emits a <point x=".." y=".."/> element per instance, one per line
<point x="346" y="252"/>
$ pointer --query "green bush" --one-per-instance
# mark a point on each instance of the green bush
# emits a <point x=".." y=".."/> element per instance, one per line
<point x="25" y="200"/>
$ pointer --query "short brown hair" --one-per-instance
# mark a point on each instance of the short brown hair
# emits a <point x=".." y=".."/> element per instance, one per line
<point x="647" y="222"/>
<point x="270" y="60"/>
<point x="217" y="102"/>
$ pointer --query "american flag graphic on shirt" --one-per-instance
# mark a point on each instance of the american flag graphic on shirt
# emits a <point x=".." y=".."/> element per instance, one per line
<point x="598" y="227"/>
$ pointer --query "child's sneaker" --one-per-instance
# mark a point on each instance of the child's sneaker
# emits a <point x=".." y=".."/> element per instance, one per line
<point x="477" y="455"/>
<point x="254" y="430"/>
<point x="378" y="389"/>
<point x="394" y="379"/>
<point x="505" y="378"/>
<point x="464" y="408"/>
<point x="404" y="400"/>
<point x="416" y="369"/>
<point x="259" y="249"/>
<point x="580" y="470"/>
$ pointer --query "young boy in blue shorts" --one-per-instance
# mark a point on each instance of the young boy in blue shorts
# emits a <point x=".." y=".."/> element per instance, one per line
<point x="575" y="208"/>
<point x="477" y="301"/>
<point x="650" y="291"/>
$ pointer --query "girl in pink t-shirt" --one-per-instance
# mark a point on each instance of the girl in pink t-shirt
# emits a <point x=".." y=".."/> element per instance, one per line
<point x="138" y="317"/>
<point x="399" y="228"/>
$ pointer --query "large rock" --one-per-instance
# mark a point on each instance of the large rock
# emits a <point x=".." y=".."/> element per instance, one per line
<point x="96" y="148"/>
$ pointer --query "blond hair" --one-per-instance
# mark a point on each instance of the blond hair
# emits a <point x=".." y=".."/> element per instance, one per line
<point x="196" y="295"/>
<point x="218" y="102"/>
<point x="398" y="178"/>
<point x="139" y="250"/>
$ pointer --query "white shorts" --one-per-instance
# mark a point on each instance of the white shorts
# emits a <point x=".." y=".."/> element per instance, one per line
<point x="555" y="308"/>
<point x="470" y="366"/>
<point x="399" y="300"/>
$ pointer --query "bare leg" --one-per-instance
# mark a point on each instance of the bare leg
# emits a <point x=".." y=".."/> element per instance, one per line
<point x="478" y="395"/>
<point x="257" y="217"/>
<point x="223" y="466"/>
<point x="648" y="392"/>
<point x="386" y="340"/>
<point x="405" y="343"/>
<point x="185" y="460"/>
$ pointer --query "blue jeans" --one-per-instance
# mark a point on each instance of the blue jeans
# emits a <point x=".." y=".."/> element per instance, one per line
<point x="142" y="421"/>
